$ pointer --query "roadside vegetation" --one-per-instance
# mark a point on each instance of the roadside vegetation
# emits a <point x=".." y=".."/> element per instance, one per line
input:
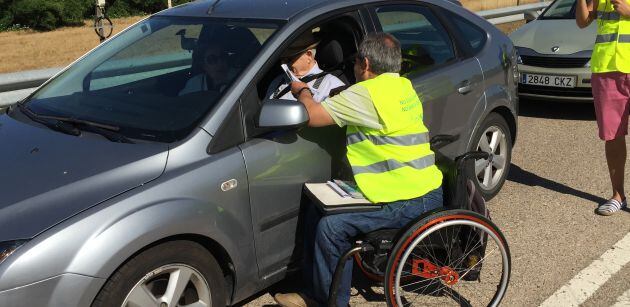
<point x="46" y="15"/>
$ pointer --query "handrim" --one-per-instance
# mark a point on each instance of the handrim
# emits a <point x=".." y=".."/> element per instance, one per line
<point x="501" y="289"/>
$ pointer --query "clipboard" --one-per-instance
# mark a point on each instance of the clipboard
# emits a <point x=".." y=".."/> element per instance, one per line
<point x="330" y="202"/>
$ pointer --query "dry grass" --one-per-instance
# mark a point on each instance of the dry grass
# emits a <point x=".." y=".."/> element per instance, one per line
<point x="25" y="50"/>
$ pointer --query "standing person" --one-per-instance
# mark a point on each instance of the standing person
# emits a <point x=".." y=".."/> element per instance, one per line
<point x="610" y="64"/>
<point x="392" y="163"/>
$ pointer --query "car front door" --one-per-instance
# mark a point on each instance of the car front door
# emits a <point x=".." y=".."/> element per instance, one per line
<point x="449" y="83"/>
<point x="278" y="163"/>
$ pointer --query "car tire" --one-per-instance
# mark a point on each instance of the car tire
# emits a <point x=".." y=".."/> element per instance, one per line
<point x="157" y="274"/>
<point x="489" y="175"/>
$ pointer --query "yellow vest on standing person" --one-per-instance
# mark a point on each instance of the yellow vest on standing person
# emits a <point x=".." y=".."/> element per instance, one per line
<point x="396" y="162"/>
<point x="611" y="52"/>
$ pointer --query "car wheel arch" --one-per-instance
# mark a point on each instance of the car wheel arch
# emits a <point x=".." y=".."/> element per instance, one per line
<point x="504" y="112"/>
<point x="213" y="247"/>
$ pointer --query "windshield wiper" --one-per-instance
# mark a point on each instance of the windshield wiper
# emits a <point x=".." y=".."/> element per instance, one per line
<point x="55" y="125"/>
<point x="61" y="123"/>
<point x="108" y="131"/>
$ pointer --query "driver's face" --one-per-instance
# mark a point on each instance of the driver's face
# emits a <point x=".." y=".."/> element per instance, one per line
<point x="214" y="63"/>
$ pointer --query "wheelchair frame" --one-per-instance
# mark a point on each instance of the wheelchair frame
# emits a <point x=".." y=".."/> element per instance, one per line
<point x="396" y="241"/>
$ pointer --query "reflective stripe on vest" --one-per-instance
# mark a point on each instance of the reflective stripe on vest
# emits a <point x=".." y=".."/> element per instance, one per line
<point x="403" y="140"/>
<point x="608" y="15"/>
<point x="390" y="165"/>
<point x="396" y="162"/>
<point x="607" y="38"/>
<point x="611" y="52"/>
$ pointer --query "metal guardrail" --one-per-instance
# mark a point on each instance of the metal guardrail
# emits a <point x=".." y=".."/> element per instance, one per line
<point x="16" y="86"/>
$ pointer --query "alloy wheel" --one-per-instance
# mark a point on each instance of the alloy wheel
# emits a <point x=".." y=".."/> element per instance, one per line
<point x="490" y="171"/>
<point x="174" y="285"/>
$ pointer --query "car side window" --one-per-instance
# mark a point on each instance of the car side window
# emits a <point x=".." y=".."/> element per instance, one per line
<point x="474" y="37"/>
<point x="424" y="41"/>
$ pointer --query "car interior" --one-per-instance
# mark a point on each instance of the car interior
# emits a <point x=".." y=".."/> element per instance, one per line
<point x="339" y="41"/>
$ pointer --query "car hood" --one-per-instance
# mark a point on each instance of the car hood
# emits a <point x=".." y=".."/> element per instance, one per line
<point x="47" y="177"/>
<point x="542" y="35"/>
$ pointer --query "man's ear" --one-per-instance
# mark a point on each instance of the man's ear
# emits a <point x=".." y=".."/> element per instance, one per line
<point x="365" y="64"/>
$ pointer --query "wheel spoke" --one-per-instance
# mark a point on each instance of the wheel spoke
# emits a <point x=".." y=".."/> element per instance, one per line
<point x="140" y="297"/>
<point x="196" y="304"/>
<point x="483" y="144"/>
<point x="498" y="162"/>
<point x="487" y="176"/>
<point x="494" y="143"/>
<point x="480" y="165"/>
<point x="177" y="282"/>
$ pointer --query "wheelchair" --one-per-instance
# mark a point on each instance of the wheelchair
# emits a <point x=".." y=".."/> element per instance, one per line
<point x="437" y="260"/>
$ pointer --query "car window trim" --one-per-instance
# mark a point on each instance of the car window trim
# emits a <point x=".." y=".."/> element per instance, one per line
<point x="351" y="11"/>
<point x="467" y="51"/>
<point x="379" y="28"/>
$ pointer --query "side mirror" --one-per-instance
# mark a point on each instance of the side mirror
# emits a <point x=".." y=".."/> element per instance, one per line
<point x="280" y="113"/>
<point x="531" y="16"/>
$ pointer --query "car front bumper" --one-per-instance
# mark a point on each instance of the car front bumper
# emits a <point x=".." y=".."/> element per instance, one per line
<point x="65" y="290"/>
<point x="581" y="93"/>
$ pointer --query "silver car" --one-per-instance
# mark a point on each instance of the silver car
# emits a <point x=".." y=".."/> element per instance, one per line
<point x="554" y="55"/>
<point x="119" y="188"/>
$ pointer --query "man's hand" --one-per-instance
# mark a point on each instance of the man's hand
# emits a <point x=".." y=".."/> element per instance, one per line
<point x="622" y="7"/>
<point x="296" y="87"/>
<point x="318" y="116"/>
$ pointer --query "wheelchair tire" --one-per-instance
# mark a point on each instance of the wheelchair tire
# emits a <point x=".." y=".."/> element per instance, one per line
<point x="442" y="261"/>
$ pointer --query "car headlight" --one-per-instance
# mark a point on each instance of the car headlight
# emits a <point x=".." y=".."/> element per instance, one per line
<point x="9" y="247"/>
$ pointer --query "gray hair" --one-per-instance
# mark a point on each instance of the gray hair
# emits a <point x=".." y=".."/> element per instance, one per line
<point x="382" y="51"/>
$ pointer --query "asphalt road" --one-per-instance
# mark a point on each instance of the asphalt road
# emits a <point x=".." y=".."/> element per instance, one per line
<point x="546" y="211"/>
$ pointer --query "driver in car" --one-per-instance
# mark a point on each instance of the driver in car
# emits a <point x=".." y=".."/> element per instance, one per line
<point x="214" y="73"/>
<point x="300" y="59"/>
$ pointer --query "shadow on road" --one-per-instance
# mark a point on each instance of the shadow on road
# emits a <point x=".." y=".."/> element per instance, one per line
<point x="556" y="110"/>
<point x="519" y="175"/>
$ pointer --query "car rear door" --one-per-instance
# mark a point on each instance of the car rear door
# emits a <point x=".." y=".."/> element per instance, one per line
<point x="448" y="80"/>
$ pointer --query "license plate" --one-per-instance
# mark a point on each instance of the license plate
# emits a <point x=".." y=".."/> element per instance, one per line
<point x="548" y="80"/>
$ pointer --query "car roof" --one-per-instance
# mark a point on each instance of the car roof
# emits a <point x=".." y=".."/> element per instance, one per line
<point x="256" y="9"/>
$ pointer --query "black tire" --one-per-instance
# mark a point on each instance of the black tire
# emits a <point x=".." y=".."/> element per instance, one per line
<point x="435" y="249"/>
<point x="492" y="121"/>
<point x="181" y="253"/>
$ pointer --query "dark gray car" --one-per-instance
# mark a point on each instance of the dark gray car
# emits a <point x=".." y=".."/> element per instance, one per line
<point x="120" y="188"/>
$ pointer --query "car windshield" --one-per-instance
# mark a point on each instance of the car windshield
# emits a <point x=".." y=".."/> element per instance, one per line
<point x="560" y="9"/>
<point x="157" y="79"/>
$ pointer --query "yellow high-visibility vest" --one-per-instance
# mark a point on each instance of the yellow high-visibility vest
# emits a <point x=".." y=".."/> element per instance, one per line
<point x="612" y="45"/>
<point x="396" y="162"/>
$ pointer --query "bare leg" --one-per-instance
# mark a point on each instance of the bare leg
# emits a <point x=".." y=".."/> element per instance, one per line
<point x="616" y="158"/>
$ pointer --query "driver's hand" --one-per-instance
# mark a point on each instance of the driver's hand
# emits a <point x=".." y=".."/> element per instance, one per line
<point x="296" y="86"/>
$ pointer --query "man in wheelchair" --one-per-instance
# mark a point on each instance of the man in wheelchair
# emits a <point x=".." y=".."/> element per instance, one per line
<point x="389" y="153"/>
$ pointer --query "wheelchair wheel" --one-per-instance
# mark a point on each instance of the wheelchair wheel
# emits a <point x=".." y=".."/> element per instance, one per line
<point x="453" y="257"/>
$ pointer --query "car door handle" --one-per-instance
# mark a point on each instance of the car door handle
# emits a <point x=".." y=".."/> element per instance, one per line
<point x="465" y="88"/>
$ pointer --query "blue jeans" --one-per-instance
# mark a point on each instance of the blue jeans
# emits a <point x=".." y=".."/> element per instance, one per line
<point x="328" y="237"/>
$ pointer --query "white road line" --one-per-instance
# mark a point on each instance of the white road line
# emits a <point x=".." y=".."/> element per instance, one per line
<point x="585" y="283"/>
<point x="623" y="300"/>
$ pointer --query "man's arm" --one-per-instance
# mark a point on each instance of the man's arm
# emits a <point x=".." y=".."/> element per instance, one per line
<point x="622" y="7"/>
<point x="586" y="12"/>
<point x="319" y="117"/>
